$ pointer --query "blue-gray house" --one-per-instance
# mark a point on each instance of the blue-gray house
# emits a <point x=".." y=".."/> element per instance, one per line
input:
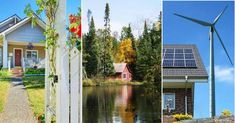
<point x="21" y="42"/>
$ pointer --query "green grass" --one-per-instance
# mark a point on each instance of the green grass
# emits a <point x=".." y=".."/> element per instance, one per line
<point x="4" y="87"/>
<point x="36" y="93"/>
<point x="101" y="82"/>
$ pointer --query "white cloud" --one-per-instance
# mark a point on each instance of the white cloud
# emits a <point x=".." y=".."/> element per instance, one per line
<point x="224" y="74"/>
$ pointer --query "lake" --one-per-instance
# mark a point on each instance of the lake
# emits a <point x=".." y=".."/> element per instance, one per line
<point x="120" y="104"/>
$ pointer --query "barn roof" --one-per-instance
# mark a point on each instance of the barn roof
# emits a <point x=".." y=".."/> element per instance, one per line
<point x="119" y="67"/>
<point x="194" y="71"/>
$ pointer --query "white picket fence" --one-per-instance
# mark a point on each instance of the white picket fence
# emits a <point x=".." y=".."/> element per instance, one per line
<point x="68" y="69"/>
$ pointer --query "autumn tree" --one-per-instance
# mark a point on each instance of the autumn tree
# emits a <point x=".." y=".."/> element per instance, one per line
<point x="125" y="52"/>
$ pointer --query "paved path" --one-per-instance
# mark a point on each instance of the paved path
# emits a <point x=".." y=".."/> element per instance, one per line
<point x="17" y="109"/>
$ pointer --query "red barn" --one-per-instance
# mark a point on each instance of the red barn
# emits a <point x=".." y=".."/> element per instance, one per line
<point x="122" y="71"/>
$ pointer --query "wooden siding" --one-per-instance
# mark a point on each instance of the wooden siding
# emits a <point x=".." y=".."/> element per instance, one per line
<point x="40" y="49"/>
<point x="27" y="33"/>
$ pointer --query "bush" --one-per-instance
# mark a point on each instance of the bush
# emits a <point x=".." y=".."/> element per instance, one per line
<point x="4" y="73"/>
<point x="35" y="71"/>
<point x="226" y="113"/>
<point x="180" y="117"/>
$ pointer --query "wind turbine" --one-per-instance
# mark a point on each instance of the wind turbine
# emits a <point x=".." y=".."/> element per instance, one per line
<point x="212" y="69"/>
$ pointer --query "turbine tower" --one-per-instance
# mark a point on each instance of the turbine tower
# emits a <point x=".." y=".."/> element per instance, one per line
<point x="212" y="69"/>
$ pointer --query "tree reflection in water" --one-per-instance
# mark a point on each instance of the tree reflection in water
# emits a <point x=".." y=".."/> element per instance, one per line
<point x="126" y="104"/>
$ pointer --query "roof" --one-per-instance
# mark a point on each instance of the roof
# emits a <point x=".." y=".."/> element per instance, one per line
<point x="119" y="67"/>
<point x="198" y="73"/>
<point x="9" y="22"/>
<point x="11" y="28"/>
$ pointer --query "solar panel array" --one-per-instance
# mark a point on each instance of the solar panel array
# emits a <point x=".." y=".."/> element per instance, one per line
<point x="178" y="58"/>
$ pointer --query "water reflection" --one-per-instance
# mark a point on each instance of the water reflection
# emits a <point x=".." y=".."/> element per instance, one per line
<point x="114" y="104"/>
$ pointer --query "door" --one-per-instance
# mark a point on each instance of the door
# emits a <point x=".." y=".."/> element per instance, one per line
<point x="18" y="57"/>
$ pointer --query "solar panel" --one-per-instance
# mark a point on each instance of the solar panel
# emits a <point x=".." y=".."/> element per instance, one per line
<point x="168" y="63"/>
<point x="179" y="58"/>
<point x="169" y="50"/>
<point x="178" y="50"/>
<point x="179" y="63"/>
<point x="188" y="51"/>
<point x="191" y="63"/>
<point x="169" y="56"/>
<point x="189" y="56"/>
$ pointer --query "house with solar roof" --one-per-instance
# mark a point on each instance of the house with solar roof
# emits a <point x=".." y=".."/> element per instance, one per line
<point x="182" y="68"/>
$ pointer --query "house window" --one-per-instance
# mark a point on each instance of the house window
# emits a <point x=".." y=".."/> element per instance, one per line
<point x="124" y="75"/>
<point x="168" y="100"/>
<point x="0" y="56"/>
<point x="31" y="54"/>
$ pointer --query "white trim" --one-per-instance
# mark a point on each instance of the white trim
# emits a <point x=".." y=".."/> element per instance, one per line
<point x="164" y="101"/>
<point x="183" y="80"/>
<point x="39" y="22"/>
<point x="14" y="16"/>
<point x="31" y="50"/>
<point x="14" y="55"/>
<point x="25" y="43"/>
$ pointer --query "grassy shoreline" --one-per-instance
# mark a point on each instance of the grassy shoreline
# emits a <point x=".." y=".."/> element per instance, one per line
<point x="100" y="82"/>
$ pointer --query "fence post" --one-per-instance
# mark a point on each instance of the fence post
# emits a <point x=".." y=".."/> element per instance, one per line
<point x="62" y="66"/>
<point x="75" y="75"/>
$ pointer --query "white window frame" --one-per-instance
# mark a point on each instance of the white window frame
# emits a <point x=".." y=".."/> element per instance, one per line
<point x="173" y="100"/>
<point x="31" y="50"/>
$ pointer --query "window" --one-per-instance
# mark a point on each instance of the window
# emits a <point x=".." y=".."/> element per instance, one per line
<point x="124" y="75"/>
<point x="32" y="54"/>
<point x="0" y="56"/>
<point x="168" y="100"/>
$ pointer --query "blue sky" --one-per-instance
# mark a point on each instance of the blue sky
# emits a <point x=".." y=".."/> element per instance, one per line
<point x="11" y="7"/>
<point x="180" y="31"/>
<point x="122" y="12"/>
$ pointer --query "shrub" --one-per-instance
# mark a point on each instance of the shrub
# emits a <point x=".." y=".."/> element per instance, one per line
<point x="226" y="113"/>
<point x="4" y="73"/>
<point x="35" y="71"/>
<point x="180" y="117"/>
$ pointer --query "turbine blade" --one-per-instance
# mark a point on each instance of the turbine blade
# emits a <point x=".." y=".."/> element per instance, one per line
<point x="223" y="46"/>
<point x="218" y="17"/>
<point x="194" y="20"/>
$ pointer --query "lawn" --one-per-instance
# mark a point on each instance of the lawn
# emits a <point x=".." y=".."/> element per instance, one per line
<point x="36" y="93"/>
<point x="4" y="87"/>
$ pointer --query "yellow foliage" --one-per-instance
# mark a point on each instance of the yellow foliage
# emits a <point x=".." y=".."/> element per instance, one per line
<point x="226" y="113"/>
<point x="125" y="52"/>
<point x="179" y="117"/>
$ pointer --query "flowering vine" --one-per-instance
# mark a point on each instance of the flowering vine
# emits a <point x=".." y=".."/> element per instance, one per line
<point x="75" y="29"/>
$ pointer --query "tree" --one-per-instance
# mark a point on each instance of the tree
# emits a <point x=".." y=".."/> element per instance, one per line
<point x="107" y="59"/>
<point x="125" y="52"/>
<point x="143" y="53"/>
<point x="92" y="51"/>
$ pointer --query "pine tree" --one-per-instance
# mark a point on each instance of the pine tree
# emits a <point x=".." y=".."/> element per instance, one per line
<point x="92" y="50"/>
<point x="107" y="58"/>
<point x="143" y="53"/>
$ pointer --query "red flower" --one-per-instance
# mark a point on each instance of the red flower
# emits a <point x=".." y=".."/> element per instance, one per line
<point x="79" y="31"/>
<point x="72" y="19"/>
